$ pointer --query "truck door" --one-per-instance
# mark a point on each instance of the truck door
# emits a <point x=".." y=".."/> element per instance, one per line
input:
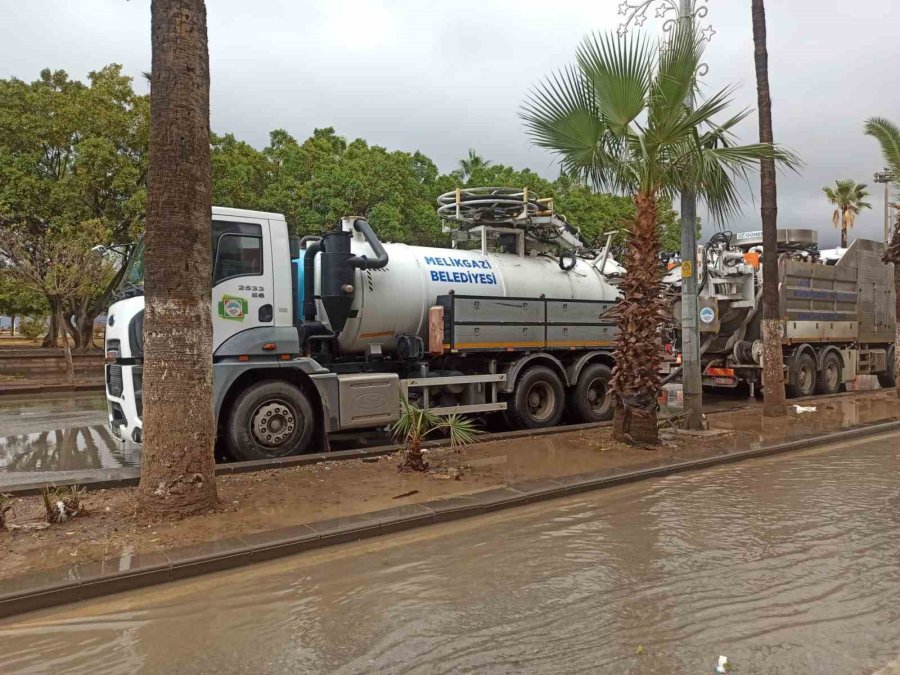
<point x="242" y="276"/>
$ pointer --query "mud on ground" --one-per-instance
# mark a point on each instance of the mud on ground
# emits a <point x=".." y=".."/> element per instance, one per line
<point x="274" y="499"/>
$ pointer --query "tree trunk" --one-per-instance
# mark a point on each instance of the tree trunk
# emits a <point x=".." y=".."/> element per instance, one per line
<point x="635" y="381"/>
<point x="50" y="337"/>
<point x="843" y="232"/>
<point x="82" y="332"/>
<point x="892" y="255"/>
<point x="774" y="404"/>
<point x="67" y="350"/>
<point x="12" y="326"/>
<point x="177" y="471"/>
<point x="413" y="459"/>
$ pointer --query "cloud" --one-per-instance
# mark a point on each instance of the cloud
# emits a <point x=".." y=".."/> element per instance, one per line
<point x="443" y="77"/>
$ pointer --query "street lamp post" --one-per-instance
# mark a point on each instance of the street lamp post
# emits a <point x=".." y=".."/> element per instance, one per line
<point x="670" y="11"/>
<point x="887" y="177"/>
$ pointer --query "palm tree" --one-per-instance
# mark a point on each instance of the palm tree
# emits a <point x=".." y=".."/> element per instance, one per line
<point x="415" y="424"/>
<point x="774" y="403"/>
<point x="847" y="195"/>
<point x="469" y="165"/>
<point x="177" y="464"/>
<point x="618" y="118"/>
<point x="888" y="135"/>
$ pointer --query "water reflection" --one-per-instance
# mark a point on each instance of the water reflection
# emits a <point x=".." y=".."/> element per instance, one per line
<point x="73" y="449"/>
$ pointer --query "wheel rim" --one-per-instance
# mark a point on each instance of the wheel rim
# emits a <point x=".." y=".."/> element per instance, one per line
<point x="273" y="423"/>
<point x="831" y="375"/>
<point x="804" y="378"/>
<point x="596" y="395"/>
<point x="541" y="401"/>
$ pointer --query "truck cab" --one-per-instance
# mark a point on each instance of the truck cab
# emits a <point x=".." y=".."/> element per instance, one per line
<point x="252" y="300"/>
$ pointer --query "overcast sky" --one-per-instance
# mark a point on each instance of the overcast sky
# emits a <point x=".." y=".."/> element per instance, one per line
<point x="443" y="77"/>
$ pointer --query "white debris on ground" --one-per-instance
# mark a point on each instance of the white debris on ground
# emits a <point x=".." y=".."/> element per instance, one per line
<point x="723" y="666"/>
<point x="804" y="408"/>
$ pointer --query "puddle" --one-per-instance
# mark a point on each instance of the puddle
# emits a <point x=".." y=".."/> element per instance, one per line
<point x="73" y="449"/>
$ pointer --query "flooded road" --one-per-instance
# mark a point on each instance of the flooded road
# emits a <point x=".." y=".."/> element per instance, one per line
<point x="62" y="433"/>
<point x="789" y="564"/>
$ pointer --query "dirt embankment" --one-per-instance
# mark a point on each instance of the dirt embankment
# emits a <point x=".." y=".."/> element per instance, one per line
<point x="274" y="499"/>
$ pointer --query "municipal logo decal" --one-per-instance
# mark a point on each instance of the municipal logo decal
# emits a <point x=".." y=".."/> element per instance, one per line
<point x="232" y="307"/>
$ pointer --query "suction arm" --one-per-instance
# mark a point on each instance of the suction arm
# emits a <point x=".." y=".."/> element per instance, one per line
<point x="381" y="257"/>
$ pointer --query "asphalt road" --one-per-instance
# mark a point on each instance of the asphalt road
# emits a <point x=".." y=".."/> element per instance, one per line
<point x="786" y="564"/>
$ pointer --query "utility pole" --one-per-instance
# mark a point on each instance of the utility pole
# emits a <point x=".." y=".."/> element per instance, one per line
<point x="691" y="376"/>
<point x="886" y="177"/>
<point x="635" y="12"/>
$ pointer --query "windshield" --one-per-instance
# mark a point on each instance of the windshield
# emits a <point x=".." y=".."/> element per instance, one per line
<point x="133" y="279"/>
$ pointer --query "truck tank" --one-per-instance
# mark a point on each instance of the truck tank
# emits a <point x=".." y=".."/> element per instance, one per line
<point x="395" y="299"/>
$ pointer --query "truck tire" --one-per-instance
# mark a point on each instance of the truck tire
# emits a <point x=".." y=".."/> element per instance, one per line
<point x="537" y="401"/>
<point x="804" y="378"/>
<point x="829" y="379"/>
<point x="270" y="419"/>
<point x="589" y="399"/>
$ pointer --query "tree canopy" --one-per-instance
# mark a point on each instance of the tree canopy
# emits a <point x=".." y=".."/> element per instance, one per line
<point x="74" y="152"/>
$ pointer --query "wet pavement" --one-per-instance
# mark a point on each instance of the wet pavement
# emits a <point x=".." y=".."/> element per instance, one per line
<point x="785" y="565"/>
<point x="63" y="435"/>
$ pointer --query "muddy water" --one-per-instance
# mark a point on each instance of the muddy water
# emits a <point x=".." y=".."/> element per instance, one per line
<point x="785" y="565"/>
<point x="59" y="433"/>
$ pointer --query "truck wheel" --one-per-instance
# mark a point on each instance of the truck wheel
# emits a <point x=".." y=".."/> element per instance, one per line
<point x="829" y="379"/>
<point x="888" y="378"/>
<point x="589" y="398"/>
<point x="537" y="401"/>
<point x="805" y="378"/>
<point x="270" y="419"/>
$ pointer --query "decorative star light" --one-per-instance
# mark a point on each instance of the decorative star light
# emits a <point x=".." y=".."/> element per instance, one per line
<point x="635" y="14"/>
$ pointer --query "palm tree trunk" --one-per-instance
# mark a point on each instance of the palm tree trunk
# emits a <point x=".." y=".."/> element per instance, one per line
<point x="893" y="255"/>
<point x="636" y="382"/>
<point x="843" y="232"/>
<point x="177" y="471"/>
<point x="774" y="403"/>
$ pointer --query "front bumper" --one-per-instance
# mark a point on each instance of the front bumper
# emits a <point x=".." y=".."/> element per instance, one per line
<point x="123" y="401"/>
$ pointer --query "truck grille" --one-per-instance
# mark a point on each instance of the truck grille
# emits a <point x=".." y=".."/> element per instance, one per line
<point x="114" y="380"/>
<point x="137" y="379"/>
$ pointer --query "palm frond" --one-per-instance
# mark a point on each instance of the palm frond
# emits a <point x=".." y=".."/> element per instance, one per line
<point x="461" y="430"/>
<point x="675" y="79"/>
<point x="619" y="71"/>
<point x="888" y="136"/>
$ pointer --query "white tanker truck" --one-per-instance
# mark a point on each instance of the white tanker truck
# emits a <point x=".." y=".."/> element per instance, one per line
<point x="327" y="333"/>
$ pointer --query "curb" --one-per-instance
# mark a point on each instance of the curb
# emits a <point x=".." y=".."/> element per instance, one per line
<point x="91" y="580"/>
<point x="37" y="388"/>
